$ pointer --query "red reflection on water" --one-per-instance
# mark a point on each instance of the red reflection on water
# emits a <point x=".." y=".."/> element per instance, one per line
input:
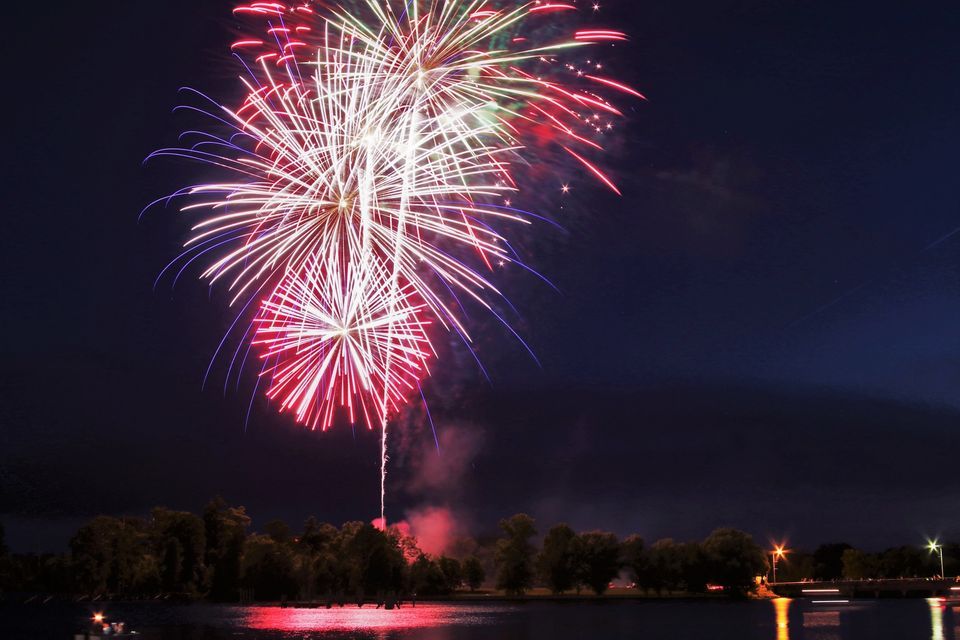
<point x="351" y="618"/>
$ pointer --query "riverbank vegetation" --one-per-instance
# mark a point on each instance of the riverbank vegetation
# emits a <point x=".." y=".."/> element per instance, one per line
<point x="215" y="555"/>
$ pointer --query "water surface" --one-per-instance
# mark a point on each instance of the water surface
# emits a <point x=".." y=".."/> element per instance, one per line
<point x="640" y="620"/>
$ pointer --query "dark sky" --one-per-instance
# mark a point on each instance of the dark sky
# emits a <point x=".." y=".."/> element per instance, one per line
<point x="762" y="332"/>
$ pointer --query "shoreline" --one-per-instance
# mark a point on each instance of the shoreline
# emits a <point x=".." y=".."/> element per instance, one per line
<point x="478" y="597"/>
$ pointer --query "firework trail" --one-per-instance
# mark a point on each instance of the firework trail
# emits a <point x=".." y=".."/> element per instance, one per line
<point x="371" y="166"/>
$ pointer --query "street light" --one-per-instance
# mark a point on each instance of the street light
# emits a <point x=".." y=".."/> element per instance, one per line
<point x="934" y="545"/>
<point x="777" y="553"/>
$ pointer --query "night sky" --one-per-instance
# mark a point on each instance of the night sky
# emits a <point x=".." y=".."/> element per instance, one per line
<point x="763" y="332"/>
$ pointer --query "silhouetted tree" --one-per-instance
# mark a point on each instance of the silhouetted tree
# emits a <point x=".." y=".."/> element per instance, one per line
<point x="108" y="553"/>
<point x="317" y="536"/>
<point x="171" y="564"/>
<point x="91" y="548"/>
<point x="796" y="566"/>
<point x="674" y="566"/>
<point x="179" y="552"/>
<point x="180" y="539"/>
<point x="694" y="567"/>
<point x="278" y="530"/>
<point x="664" y="568"/>
<point x="53" y="573"/>
<point x="348" y="577"/>
<point x="828" y="561"/>
<point x="905" y="562"/>
<point x="557" y="560"/>
<point x="407" y="543"/>
<point x="515" y="554"/>
<point x="226" y="532"/>
<point x="426" y="577"/>
<point x="735" y="560"/>
<point x="859" y="565"/>
<point x="451" y="573"/>
<point x="304" y="573"/>
<point x="377" y="564"/>
<point x="635" y="559"/>
<point x="951" y="559"/>
<point x="326" y="572"/>
<point x="473" y="573"/>
<point x="48" y="573"/>
<point x="318" y="559"/>
<point x="599" y="559"/>
<point x="267" y="568"/>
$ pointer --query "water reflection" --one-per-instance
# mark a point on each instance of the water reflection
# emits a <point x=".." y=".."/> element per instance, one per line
<point x="826" y="624"/>
<point x="782" y="608"/>
<point x="936" y="618"/>
<point x="797" y="619"/>
<point x="367" y="619"/>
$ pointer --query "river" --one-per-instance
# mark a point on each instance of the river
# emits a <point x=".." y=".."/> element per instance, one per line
<point x="781" y="619"/>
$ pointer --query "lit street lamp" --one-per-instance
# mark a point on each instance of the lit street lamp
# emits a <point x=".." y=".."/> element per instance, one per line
<point x="777" y="553"/>
<point x="935" y="546"/>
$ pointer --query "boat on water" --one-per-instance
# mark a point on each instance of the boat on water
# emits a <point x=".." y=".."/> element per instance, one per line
<point x="101" y="628"/>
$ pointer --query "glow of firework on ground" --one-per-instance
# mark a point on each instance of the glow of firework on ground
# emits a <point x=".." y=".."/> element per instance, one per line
<point x="368" y="160"/>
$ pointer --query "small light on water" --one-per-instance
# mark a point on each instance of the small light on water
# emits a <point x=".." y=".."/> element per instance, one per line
<point x="782" y="608"/>
<point x="936" y="618"/>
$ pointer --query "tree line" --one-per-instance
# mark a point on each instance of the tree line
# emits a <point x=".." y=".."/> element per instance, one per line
<point x="215" y="555"/>
<point x="841" y="561"/>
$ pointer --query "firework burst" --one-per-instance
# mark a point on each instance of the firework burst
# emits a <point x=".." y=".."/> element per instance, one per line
<point x="370" y="168"/>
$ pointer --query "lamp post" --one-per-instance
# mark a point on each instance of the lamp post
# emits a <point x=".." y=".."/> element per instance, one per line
<point x="775" y="555"/>
<point x="935" y="546"/>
